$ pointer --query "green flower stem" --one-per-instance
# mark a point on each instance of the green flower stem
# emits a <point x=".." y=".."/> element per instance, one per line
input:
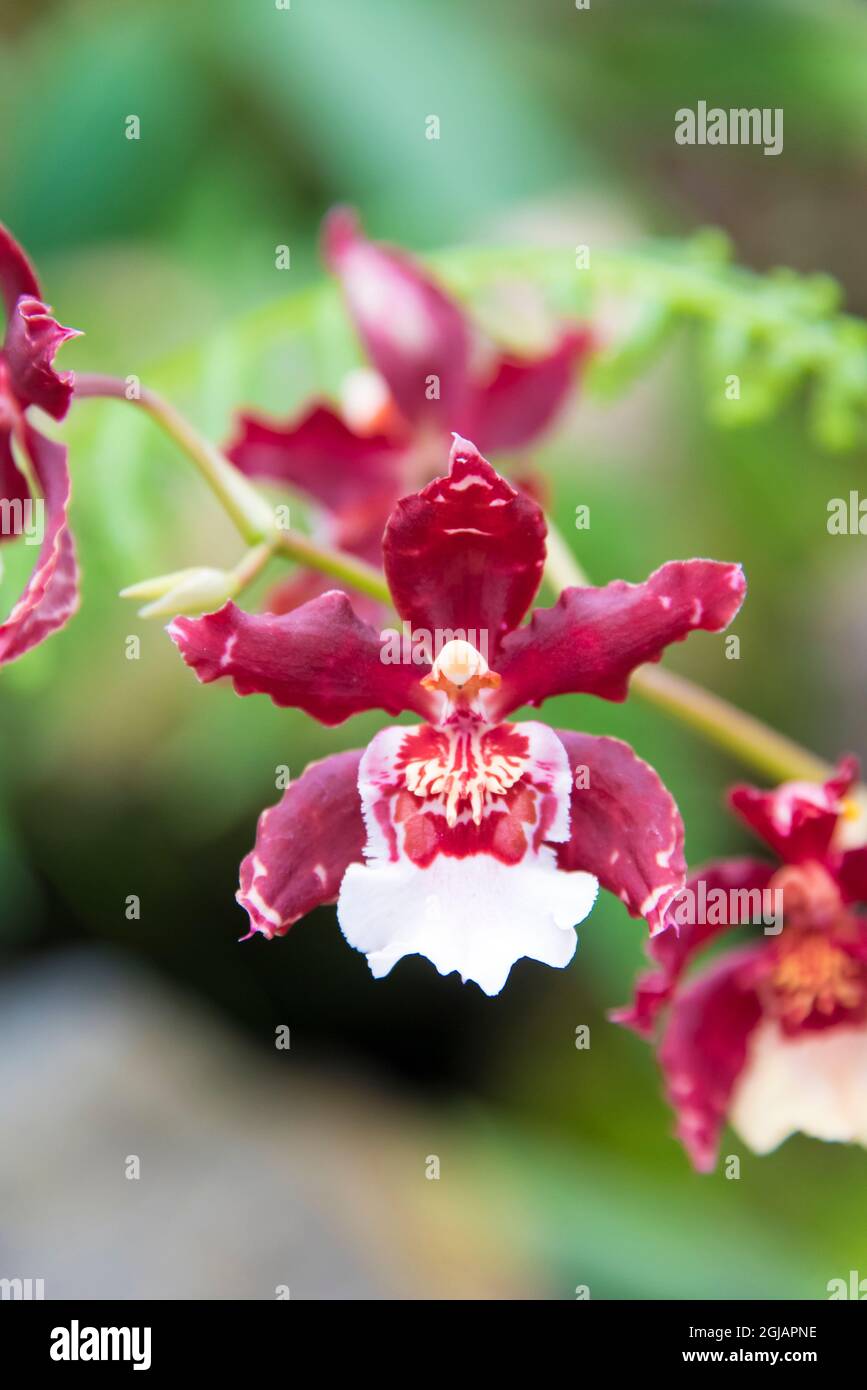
<point x="747" y="738"/>
<point x="248" y="510"/>
<point x="251" y="566"/>
<point x="345" y="568"/>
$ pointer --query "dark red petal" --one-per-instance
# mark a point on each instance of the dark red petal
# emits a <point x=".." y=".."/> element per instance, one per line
<point x="321" y="456"/>
<point x="13" y="485"/>
<point x="592" y="639"/>
<point x="320" y="658"/>
<point x="797" y="819"/>
<point x="625" y="826"/>
<point x="32" y="339"/>
<point x="17" y="275"/>
<point x="51" y="595"/>
<point x="411" y="330"/>
<point x="524" y="394"/>
<point x="467" y="552"/>
<point x="673" y="948"/>
<point x="852" y="875"/>
<point x="704" y="1050"/>
<point x="304" y="846"/>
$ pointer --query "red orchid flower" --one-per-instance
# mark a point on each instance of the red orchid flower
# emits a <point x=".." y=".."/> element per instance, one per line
<point x="772" y="1035"/>
<point x="432" y="374"/>
<point x="35" y="505"/>
<point x="466" y="839"/>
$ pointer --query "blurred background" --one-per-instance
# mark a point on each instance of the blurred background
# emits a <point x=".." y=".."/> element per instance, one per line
<point x="307" y="1167"/>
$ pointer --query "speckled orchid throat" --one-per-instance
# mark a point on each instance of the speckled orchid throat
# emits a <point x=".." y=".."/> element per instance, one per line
<point x="464" y="785"/>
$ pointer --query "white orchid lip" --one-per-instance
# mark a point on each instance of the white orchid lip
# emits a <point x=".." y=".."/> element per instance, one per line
<point x="814" y="1083"/>
<point x="476" y="916"/>
<point x="460" y="867"/>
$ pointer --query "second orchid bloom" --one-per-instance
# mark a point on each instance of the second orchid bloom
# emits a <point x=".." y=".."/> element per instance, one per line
<point x="466" y="839"/>
<point x="771" y="1037"/>
<point x="431" y="371"/>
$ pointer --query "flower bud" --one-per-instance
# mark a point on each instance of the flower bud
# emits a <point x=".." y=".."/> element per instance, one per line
<point x="196" y="590"/>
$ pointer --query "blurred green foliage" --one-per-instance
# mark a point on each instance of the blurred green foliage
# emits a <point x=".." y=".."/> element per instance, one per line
<point x="122" y="777"/>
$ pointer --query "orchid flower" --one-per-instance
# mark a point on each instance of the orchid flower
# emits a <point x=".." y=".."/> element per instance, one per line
<point x="465" y="838"/>
<point x="431" y="373"/>
<point x="771" y="1037"/>
<point x="34" y="478"/>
